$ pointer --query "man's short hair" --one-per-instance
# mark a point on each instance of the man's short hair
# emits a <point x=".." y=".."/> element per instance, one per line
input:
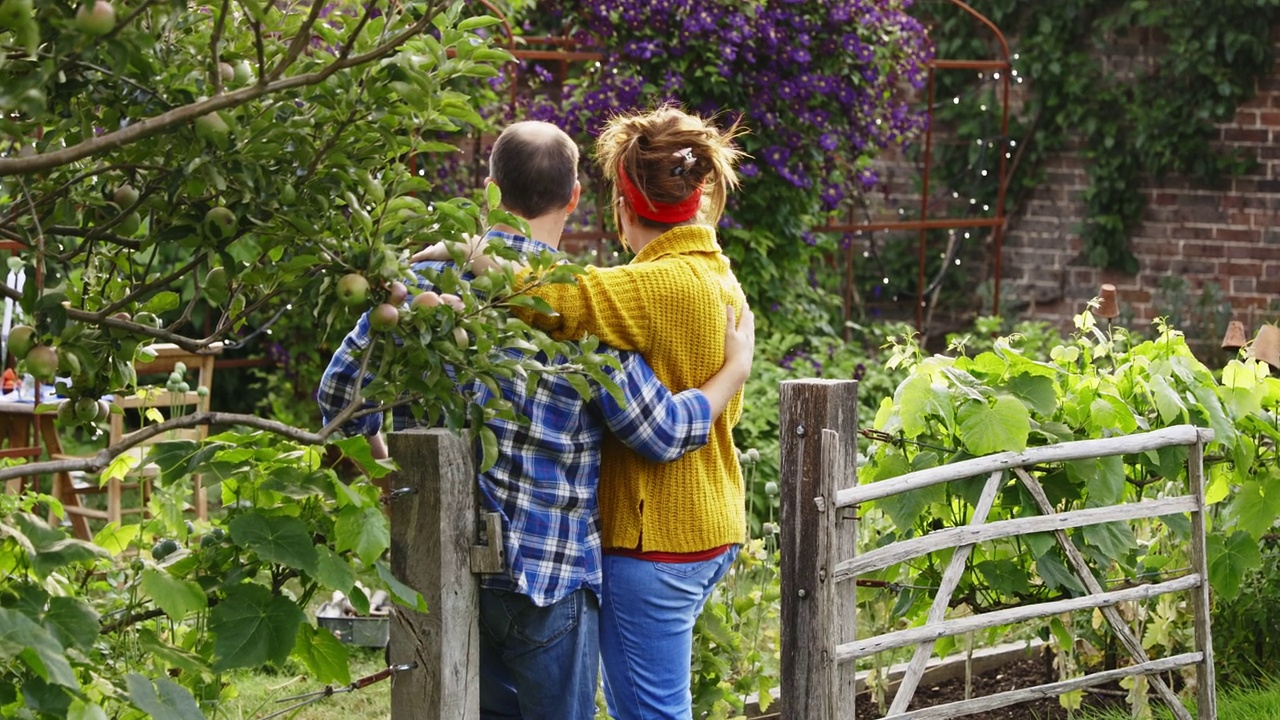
<point x="535" y="165"/>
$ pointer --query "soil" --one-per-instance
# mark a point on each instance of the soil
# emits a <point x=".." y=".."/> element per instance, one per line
<point x="1017" y="675"/>
<point x="1013" y="676"/>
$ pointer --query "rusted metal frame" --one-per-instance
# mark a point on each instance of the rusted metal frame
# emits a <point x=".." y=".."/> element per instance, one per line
<point x="924" y="224"/>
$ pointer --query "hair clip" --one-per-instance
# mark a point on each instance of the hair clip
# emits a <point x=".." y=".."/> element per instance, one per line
<point x="686" y="158"/>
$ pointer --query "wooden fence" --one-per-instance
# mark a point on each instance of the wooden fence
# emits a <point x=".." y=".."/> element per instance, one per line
<point x="820" y="498"/>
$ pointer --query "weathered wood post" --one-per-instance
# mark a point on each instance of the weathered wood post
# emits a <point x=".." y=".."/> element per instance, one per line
<point x="814" y="686"/>
<point x="432" y="531"/>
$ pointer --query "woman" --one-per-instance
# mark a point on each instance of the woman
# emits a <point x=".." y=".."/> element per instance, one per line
<point x="672" y="530"/>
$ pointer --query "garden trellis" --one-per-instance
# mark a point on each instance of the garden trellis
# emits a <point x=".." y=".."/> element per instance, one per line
<point x="820" y="499"/>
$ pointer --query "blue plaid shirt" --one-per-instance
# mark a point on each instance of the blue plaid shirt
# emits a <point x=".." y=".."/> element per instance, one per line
<point x="544" y="482"/>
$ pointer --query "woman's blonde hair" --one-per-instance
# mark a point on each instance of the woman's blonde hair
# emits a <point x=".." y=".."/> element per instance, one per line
<point x="651" y="148"/>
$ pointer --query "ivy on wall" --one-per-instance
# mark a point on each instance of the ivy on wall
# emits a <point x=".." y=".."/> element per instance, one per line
<point x="1134" y="123"/>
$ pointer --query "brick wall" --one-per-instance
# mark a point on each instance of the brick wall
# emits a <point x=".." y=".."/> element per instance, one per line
<point x="1207" y="239"/>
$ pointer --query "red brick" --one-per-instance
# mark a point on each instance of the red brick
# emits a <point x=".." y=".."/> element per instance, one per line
<point x="1235" y="234"/>
<point x="1247" y="118"/>
<point x="1246" y="136"/>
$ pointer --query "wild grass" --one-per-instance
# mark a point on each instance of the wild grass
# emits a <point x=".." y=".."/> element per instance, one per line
<point x="1249" y="702"/>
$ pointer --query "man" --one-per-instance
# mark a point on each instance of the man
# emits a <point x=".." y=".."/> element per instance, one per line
<point x="539" y="618"/>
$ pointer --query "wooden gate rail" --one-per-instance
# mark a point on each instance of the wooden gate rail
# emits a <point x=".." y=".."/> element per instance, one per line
<point x="820" y="523"/>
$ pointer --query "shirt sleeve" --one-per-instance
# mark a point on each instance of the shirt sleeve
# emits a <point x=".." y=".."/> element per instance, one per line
<point x="650" y="420"/>
<point x="616" y="304"/>
<point x="341" y="381"/>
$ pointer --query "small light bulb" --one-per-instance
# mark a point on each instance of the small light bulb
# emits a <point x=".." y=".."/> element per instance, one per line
<point x="956" y="100"/>
<point x="995" y="76"/>
<point x="984" y="173"/>
<point x="886" y="281"/>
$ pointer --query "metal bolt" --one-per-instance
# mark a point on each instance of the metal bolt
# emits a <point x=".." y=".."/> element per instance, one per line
<point x="802" y="592"/>
<point x="800" y="430"/>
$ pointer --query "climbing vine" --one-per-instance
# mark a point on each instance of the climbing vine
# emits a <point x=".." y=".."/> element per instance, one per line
<point x="1133" y="121"/>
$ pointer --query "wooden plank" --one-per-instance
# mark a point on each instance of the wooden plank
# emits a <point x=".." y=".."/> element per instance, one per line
<point x="1014" y="697"/>
<point x="1077" y="562"/>
<point x="1009" y="616"/>
<point x="1206" y="684"/>
<point x="881" y="558"/>
<point x="1076" y="450"/>
<point x="942" y="600"/>
<point x="840" y="541"/>
<point x="806" y="408"/>
<point x="432" y="531"/>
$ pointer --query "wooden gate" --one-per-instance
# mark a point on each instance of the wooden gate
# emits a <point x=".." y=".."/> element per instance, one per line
<point x="820" y="498"/>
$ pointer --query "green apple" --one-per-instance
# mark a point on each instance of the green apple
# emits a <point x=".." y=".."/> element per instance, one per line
<point x="125" y="196"/>
<point x="212" y="129"/>
<point x="96" y="18"/>
<point x="220" y="224"/>
<point x="86" y="409"/>
<point x="21" y="339"/>
<point x="42" y="362"/>
<point x="425" y="299"/>
<point x="216" y="289"/>
<point x="67" y="413"/>
<point x="384" y="317"/>
<point x="129" y="224"/>
<point x="353" y="288"/>
<point x="14" y="13"/>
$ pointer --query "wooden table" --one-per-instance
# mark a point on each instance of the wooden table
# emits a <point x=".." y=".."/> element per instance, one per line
<point x="30" y="434"/>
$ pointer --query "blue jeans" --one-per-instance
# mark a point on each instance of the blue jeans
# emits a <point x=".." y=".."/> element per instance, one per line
<point x="538" y="663"/>
<point x="646" y="633"/>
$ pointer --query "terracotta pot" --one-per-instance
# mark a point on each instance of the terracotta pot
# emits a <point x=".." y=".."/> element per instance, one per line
<point x="1108" y="307"/>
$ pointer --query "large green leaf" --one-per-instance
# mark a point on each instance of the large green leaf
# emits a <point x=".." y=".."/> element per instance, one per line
<point x="920" y="399"/>
<point x="176" y="597"/>
<point x="81" y="710"/>
<point x="324" y="655"/>
<point x="1114" y="539"/>
<point x="283" y="540"/>
<point x="364" y="530"/>
<point x="1256" y="505"/>
<point x="987" y="429"/>
<point x="165" y="700"/>
<point x="251" y="627"/>
<point x="334" y="571"/>
<point x="1036" y="392"/>
<point x="21" y="637"/>
<point x="1229" y="559"/>
<point x="402" y="593"/>
<point x="1004" y="576"/>
<point x="1102" y="478"/>
<point x="54" y="550"/>
<point x="72" y="622"/>
<point x="357" y="449"/>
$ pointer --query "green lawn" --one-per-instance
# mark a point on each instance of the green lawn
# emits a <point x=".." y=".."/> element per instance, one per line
<point x="1246" y="703"/>
<point x="258" y="693"/>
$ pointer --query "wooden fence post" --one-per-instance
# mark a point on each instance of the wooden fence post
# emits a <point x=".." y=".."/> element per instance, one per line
<point x="810" y="688"/>
<point x="432" y="531"/>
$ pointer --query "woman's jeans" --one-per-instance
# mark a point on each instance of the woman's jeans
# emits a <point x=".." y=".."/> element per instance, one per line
<point x="538" y="663"/>
<point x="646" y="632"/>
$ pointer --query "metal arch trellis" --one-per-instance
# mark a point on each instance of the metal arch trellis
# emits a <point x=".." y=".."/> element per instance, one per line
<point x="564" y="50"/>
<point x="924" y="224"/>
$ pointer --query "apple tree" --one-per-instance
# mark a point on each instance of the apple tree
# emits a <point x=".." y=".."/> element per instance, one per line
<point x="179" y="173"/>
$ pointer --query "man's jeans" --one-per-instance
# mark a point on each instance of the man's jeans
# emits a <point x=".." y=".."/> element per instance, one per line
<point x="538" y="663"/>
<point x="646" y="632"/>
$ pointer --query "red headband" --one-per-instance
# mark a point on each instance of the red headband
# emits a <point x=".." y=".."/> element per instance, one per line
<point x="665" y="213"/>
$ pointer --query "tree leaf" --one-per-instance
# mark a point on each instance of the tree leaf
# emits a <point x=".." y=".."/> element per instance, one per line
<point x="251" y="627"/>
<point x="176" y="597"/>
<point x="986" y="429"/>
<point x="1036" y="392"/>
<point x="363" y="530"/>
<point x="165" y="700"/>
<point x="281" y="540"/>
<point x="324" y="655"/>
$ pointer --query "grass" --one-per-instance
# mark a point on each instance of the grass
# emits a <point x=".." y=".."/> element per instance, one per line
<point x="259" y="691"/>
<point x="1239" y="703"/>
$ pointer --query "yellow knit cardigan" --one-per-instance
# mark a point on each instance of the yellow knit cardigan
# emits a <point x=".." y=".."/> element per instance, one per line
<point x="668" y="304"/>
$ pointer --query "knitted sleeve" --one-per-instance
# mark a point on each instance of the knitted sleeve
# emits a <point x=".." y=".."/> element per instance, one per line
<point x="616" y="304"/>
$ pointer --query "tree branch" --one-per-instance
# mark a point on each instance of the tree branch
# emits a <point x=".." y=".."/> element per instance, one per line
<point x="300" y="41"/>
<point x="177" y="116"/>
